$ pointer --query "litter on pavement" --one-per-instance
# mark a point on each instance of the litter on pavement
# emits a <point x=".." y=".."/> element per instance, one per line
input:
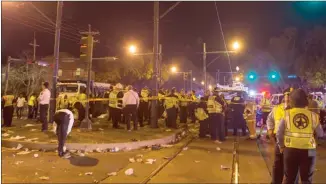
<point x="98" y="150"/>
<point x="23" y="153"/>
<point x="17" y="137"/>
<point x="197" y="161"/>
<point x="53" y="141"/>
<point x="185" y="148"/>
<point x="166" y="145"/>
<point x="112" y="174"/>
<point x="5" y="135"/>
<point x="132" y="160"/>
<point x="100" y="129"/>
<point x="139" y="160"/>
<point x="35" y="155"/>
<point x="19" y="162"/>
<point x="218" y="149"/>
<point x="44" y="178"/>
<point x="224" y="167"/>
<point x="33" y="130"/>
<point x="88" y="173"/>
<point x="29" y="125"/>
<point x="139" y="156"/>
<point x="129" y="172"/>
<point x="19" y="146"/>
<point x="150" y="161"/>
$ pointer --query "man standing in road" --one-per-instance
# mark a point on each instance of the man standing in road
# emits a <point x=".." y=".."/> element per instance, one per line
<point x="44" y="101"/>
<point x="32" y="106"/>
<point x="8" y="102"/>
<point x="130" y="103"/>
<point x="115" y="103"/>
<point x="215" y="111"/>
<point x="266" y="108"/>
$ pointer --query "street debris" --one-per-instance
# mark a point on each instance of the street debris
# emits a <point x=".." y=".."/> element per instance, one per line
<point x="35" y="155"/>
<point x="224" y="167"/>
<point x="80" y="154"/>
<point x="32" y="139"/>
<point x="156" y="147"/>
<point x="98" y="150"/>
<point x="168" y="130"/>
<point x="44" y="178"/>
<point x="218" y="148"/>
<point x="150" y="161"/>
<point x="180" y="154"/>
<point x="19" y="162"/>
<point x="129" y="172"/>
<point x="167" y="158"/>
<point x="23" y="153"/>
<point x="132" y="160"/>
<point x="183" y="133"/>
<point x="139" y="160"/>
<point x="139" y="156"/>
<point x="185" y="148"/>
<point x="95" y="181"/>
<point x="53" y="141"/>
<point x="197" y="161"/>
<point x="10" y="132"/>
<point x="115" y="149"/>
<point x="5" y="135"/>
<point x="166" y="145"/>
<point x="80" y="174"/>
<point x="102" y="116"/>
<point x="33" y="130"/>
<point x="89" y="173"/>
<point x="29" y="125"/>
<point x="112" y="174"/>
<point x="17" y="137"/>
<point x="100" y="129"/>
<point x="72" y="151"/>
<point x="134" y="140"/>
<point x="19" y="146"/>
<point x="36" y="174"/>
<point x="218" y="142"/>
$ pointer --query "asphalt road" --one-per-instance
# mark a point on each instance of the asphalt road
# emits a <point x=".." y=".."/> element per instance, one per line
<point x="200" y="162"/>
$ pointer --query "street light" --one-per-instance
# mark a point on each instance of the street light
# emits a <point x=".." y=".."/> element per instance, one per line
<point x="237" y="79"/>
<point x="236" y="45"/>
<point x="174" y="69"/>
<point x="237" y="68"/>
<point x="132" y="49"/>
<point x="194" y="79"/>
<point x="202" y="83"/>
<point x="210" y="87"/>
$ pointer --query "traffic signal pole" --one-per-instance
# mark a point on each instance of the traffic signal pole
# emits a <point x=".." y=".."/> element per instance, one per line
<point x="204" y="65"/>
<point x="55" y="61"/>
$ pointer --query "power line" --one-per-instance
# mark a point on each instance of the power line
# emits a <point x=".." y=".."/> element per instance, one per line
<point x="227" y="52"/>
<point x="42" y="29"/>
<point x="170" y="9"/>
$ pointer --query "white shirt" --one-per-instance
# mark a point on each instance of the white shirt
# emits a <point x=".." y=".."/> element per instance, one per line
<point x="130" y="98"/>
<point x="21" y="101"/>
<point x="71" y="119"/>
<point x="44" y="97"/>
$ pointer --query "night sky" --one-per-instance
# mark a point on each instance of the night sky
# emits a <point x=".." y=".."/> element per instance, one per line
<point x="119" y="23"/>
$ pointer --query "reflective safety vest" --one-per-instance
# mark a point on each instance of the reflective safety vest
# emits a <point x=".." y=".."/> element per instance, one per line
<point x="144" y="94"/>
<point x="193" y="98"/>
<point x="63" y="104"/>
<point x="8" y="100"/>
<point x="300" y="125"/>
<point x="213" y="106"/>
<point x="114" y="102"/>
<point x="82" y="97"/>
<point x="171" y="102"/>
<point x="266" y="105"/>
<point x="160" y="96"/>
<point x="183" y="100"/>
<point x="250" y="112"/>
<point x="31" y="100"/>
<point x="278" y="113"/>
<point x="201" y="114"/>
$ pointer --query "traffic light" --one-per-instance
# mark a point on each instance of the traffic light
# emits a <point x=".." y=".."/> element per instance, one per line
<point x="274" y="76"/>
<point x="86" y="48"/>
<point x="252" y="76"/>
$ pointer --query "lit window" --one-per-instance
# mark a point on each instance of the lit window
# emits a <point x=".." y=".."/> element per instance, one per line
<point x="78" y="71"/>
<point x="59" y="72"/>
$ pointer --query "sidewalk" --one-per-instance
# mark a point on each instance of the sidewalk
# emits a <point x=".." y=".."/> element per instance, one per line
<point x="103" y="136"/>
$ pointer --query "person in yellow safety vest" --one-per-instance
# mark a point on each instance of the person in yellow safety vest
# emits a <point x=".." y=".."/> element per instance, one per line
<point x="143" y="111"/>
<point x="273" y="121"/>
<point x="202" y="115"/>
<point x="8" y="102"/>
<point x="115" y="103"/>
<point x="63" y="103"/>
<point x="32" y="106"/>
<point x="215" y="111"/>
<point x="82" y="97"/>
<point x="250" y="117"/>
<point x="107" y="96"/>
<point x="266" y="107"/>
<point x="171" y="105"/>
<point x="161" y="96"/>
<point x="296" y="139"/>
<point x="183" y="106"/>
<point x="192" y="106"/>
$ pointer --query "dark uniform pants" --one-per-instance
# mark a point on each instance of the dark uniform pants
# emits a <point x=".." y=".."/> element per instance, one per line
<point x="216" y="126"/>
<point x="8" y="113"/>
<point x="19" y="111"/>
<point x="160" y="109"/>
<point x="62" y="121"/>
<point x="116" y="117"/>
<point x="130" y="113"/>
<point x="265" y="115"/>
<point x="203" y="128"/>
<point x="278" y="167"/>
<point x="192" y="107"/>
<point x="295" y="161"/>
<point x="44" y="116"/>
<point x="32" y="111"/>
<point x="143" y="112"/>
<point x="171" y="117"/>
<point x="183" y="114"/>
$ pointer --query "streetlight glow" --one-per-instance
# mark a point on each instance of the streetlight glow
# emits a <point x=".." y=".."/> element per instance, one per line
<point x="174" y="69"/>
<point x="202" y="82"/>
<point x="237" y="68"/>
<point x="194" y="79"/>
<point x="210" y="87"/>
<point x="236" y="45"/>
<point x="237" y="79"/>
<point x="132" y="49"/>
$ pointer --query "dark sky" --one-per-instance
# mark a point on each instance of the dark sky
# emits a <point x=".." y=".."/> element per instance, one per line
<point x="254" y="23"/>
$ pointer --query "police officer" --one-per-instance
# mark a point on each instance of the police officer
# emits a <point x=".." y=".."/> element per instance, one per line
<point x="143" y="110"/>
<point x="183" y="106"/>
<point x="266" y="108"/>
<point x="215" y="110"/>
<point x="202" y="115"/>
<point x="192" y="106"/>
<point x="238" y="105"/>
<point x="295" y="138"/>
<point x="8" y="109"/>
<point x="116" y="104"/>
<point x="171" y="105"/>
<point x="161" y="102"/>
<point x="82" y="97"/>
<point x="63" y="103"/>
<point x="107" y="95"/>
<point x="250" y="117"/>
<point x="32" y="105"/>
<point x="273" y="121"/>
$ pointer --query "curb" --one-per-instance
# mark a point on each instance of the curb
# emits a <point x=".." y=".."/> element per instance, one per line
<point x="127" y="146"/>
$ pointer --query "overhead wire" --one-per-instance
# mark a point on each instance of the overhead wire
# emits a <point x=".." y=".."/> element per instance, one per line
<point x="41" y="28"/>
<point x="226" y="49"/>
<point x="170" y="9"/>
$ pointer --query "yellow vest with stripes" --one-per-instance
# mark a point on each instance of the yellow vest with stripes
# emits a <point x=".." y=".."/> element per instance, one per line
<point x="144" y="93"/>
<point x="31" y="101"/>
<point x="8" y="100"/>
<point x="213" y="106"/>
<point x="300" y="125"/>
<point x="278" y="113"/>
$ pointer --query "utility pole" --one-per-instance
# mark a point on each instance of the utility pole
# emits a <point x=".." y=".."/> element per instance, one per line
<point x="56" y="60"/>
<point x="204" y="65"/>
<point x="190" y="80"/>
<point x="7" y="74"/>
<point x="154" y="119"/>
<point x="160" y="64"/>
<point x="34" y="45"/>
<point x="86" y="124"/>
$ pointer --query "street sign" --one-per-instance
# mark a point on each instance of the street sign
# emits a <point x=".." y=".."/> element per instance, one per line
<point x="292" y="76"/>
